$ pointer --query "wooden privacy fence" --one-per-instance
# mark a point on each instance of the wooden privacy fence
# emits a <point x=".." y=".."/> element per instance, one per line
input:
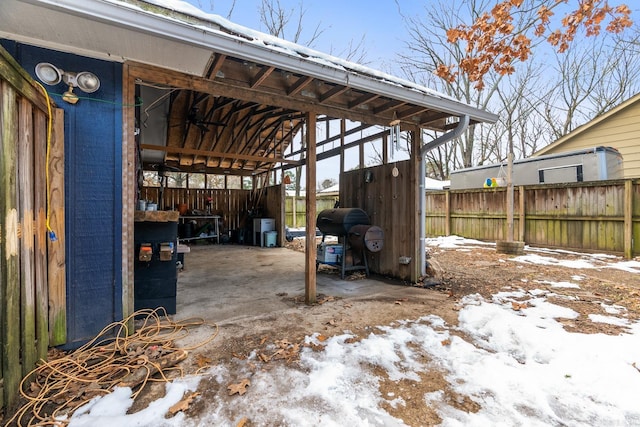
<point x="593" y="216"/>
<point x="32" y="268"/>
<point x="232" y="205"/>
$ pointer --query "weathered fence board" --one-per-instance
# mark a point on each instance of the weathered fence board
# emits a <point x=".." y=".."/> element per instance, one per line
<point x="10" y="261"/>
<point x="24" y="298"/>
<point x="56" y="248"/>
<point x="595" y="216"/>
<point x="25" y="213"/>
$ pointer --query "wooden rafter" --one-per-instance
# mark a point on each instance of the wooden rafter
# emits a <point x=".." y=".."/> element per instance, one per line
<point x="335" y="91"/>
<point x="367" y="97"/>
<point x="300" y="84"/>
<point x="217" y="154"/>
<point x="217" y="61"/>
<point x="261" y="76"/>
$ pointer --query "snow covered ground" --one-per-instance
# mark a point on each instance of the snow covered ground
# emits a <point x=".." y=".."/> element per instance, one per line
<point x="519" y="366"/>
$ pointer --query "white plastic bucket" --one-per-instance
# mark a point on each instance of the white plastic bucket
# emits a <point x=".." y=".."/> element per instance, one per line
<point x="270" y="238"/>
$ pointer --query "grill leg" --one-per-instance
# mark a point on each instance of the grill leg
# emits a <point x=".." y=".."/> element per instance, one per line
<point x="366" y="263"/>
<point x="344" y="256"/>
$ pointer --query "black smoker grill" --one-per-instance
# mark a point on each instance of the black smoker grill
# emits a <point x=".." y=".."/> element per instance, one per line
<point x="352" y="227"/>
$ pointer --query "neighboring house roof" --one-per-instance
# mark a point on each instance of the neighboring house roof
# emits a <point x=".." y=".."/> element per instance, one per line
<point x="434" y="184"/>
<point x="222" y="70"/>
<point x="618" y="128"/>
<point x="332" y="189"/>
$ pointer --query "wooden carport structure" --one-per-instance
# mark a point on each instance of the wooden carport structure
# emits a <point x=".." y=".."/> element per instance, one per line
<point x="231" y="90"/>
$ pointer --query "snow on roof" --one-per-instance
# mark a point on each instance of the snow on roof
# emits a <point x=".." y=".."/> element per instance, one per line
<point x="434" y="184"/>
<point x="332" y="189"/>
<point x="230" y="29"/>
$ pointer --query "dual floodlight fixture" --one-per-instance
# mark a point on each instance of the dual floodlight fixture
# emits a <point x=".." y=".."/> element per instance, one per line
<point x="52" y="75"/>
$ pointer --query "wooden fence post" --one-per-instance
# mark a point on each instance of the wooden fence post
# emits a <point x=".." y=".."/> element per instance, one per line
<point x="57" y="271"/>
<point x="10" y="240"/>
<point x="628" y="219"/>
<point x="447" y="213"/>
<point x="521" y="213"/>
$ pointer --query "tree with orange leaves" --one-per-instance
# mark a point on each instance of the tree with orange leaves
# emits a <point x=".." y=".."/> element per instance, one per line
<point x="493" y="43"/>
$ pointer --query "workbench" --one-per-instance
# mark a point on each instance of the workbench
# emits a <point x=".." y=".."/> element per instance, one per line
<point x="214" y="220"/>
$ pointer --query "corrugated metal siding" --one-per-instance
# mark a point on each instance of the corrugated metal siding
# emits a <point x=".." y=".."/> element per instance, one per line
<point x="93" y="191"/>
<point x="621" y="131"/>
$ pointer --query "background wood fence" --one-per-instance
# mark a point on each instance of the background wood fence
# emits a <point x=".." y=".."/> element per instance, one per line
<point x="231" y="205"/>
<point x="594" y="216"/>
<point x="32" y="268"/>
<point x="295" y="208"/>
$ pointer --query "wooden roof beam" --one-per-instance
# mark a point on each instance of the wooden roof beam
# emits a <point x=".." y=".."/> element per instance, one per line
<point x="389" y="105"/>
<point x="268" y="96"/>
<point x="367" y="97"/>
<point x="410" y="112"/>
<point x="261" y="76"/>
<point x="434" y="117"/>
<point x="335" y="91"/>
<point x="300" y="84"/>
<point x="180" y="150"/>
<point x="216" y="63"/>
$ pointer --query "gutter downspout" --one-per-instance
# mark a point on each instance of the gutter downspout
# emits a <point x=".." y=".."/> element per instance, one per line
<point x="463" y="124"/>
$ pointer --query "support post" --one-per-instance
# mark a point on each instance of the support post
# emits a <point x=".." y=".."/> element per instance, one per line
<point x="343" y="129"/>
<point x="310" y="296"/>
<point x="385" y="149"/>
<point x="510" y="196"/>
<point x="521" y="214"/>
<point x="628" y="219"/>
<point x="129" y="186"/>
<point x="447" y="213"/>
<point x="418" y="268"/>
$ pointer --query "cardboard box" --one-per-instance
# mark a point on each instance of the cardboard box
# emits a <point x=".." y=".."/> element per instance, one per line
<point x="330" y="254"/>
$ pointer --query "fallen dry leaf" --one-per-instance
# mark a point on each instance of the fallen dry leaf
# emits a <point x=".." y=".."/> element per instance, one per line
<point x="283" y="343"/>
<point x="183" y="405"/>
<point x="264" y="357"/>
<point x="517" y="306"/>
<point x="242" y="422"/>
<point x="263" y="340"/>
<point x="240" y="388"/>
<point x="202" y="361"/>
<point x="331" y="322"/>
<point x="321" y="338"/>
<point x="446" y="342"/>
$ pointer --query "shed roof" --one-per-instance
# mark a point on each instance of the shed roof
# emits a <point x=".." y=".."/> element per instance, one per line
<point x="228" y="80"/>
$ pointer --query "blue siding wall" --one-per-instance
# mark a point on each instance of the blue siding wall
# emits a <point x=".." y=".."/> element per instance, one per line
<point x="93" y="190"/>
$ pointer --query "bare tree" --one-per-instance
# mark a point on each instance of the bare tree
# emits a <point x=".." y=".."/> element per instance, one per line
<point x="277" y="21"/>
<point x="593" y="78"/>
<point x="427" y="47"/>
<point x="535" y="108"/>
<point x="201" y="5"/>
